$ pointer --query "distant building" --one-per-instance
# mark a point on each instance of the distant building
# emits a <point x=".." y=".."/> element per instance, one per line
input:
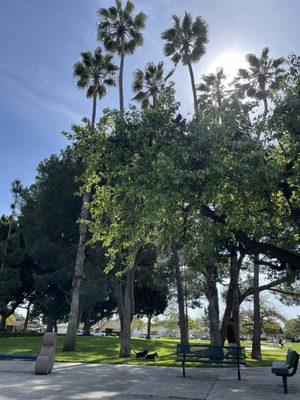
<point x="19" y="323"/>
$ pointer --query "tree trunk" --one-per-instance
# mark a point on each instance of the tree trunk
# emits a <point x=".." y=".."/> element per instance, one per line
<point x="87" y="326"/>
<point x="3" y="321"/>
<point x="180" y="296"/>
<point x="148" y="327"/>
<point x="74" y="317"/>
<point x="70" y="340"/>
<point x="128" y="310"/>
<point x="265" y="100"/>
<point x="121" y="91"/>
<point x="94" y="108"/>
<point x="27" y="318"/>
<point x="50" y="324"/>
<point x="256" y="348"/>
<point x="154" y="105"/>
<point x="193" y="87"/>
<point x="119" y="292"/>
<point x="211" y="291"/>
<point x="234" y="274"/>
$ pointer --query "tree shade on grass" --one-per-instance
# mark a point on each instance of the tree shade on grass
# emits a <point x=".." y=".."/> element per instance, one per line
<point x="105" y="350"/>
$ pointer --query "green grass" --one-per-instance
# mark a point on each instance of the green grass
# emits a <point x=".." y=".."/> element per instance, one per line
<point x="105" y="350"/>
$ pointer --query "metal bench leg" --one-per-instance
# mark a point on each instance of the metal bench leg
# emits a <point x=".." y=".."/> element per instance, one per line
<point x="183" y="369"/>
<point x="284" y="378"/>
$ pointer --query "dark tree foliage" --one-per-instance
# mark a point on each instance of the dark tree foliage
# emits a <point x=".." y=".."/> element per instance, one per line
<point x="16" y="280"/>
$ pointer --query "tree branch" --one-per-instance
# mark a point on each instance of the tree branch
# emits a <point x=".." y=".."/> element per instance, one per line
<point x="250" y="291"/>
<point x="253" y="246"/>
<point x="287" y="292"/>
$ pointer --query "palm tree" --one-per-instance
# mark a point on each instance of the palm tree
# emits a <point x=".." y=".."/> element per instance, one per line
<point x="262" y="78"/>
<point x="214" y="87"/>
<point x="95" y="72"/>
<point x="150" y="84"/>
<point x="186" y="43"/>
<point x="120" y="31"/>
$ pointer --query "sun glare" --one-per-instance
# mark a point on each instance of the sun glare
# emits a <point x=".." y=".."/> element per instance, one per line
<point x="231" y="61"/>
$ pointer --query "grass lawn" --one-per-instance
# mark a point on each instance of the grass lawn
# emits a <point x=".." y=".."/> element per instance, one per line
<point x="105" y="350"/>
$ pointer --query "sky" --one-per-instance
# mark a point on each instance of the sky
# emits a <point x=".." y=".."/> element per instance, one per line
<point x="41" y="40"/>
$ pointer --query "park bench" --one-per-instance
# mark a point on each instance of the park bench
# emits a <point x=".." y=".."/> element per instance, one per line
<point x="287" y="369"/>
<point x="25" y="357"/>
<point x="44" y="361"/>
<point x="206" y="353"/>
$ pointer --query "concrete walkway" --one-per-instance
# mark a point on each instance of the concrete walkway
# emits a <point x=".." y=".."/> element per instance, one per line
<point x="124" y="382"/>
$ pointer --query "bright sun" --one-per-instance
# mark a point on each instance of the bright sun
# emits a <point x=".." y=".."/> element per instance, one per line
<point x="231" y="61"/>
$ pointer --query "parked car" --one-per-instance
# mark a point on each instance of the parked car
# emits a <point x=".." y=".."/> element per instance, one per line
<point x="98" y="333"/>
<point x="152" y="336"/>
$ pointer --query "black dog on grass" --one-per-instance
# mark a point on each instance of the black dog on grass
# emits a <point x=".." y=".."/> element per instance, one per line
<point x="141" y="354"/>
<point x="151" y="357"/>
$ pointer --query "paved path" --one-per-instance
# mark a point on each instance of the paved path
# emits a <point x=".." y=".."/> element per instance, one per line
<point x="123" y="382"/>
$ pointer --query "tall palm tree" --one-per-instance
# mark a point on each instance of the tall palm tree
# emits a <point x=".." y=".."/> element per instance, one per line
<point x="120" y="31"/>
<point x="150" y="84"/>
<point x="213" y="85"/>
<point x="95" y="72"/>
<point x="262" y="78"/>
<point x="186" y="43"/>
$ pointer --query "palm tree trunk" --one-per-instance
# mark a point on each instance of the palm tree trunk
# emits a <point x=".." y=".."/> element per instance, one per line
<point x="211" y="291"/>
<point x="128" y="311"/>
<point x="70" y="340"/>
<point x="121" y="91"/>
<point x="193" y="87"/>
<point x="74" y="317"/>
<point x="266" y="108"/>
<point x="180" y="296"/>
<point x="256" y="348"/>
<point x="94" y="109"/>
<point x="154" y="105"/>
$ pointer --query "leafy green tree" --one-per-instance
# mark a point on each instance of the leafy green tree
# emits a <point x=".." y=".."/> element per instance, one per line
<point x="95" y="72"/>
<point x="17" y="278"/>
<point x="120" y="31"/>
<point x="262" y="78"/>
<point x="186" y="42"/>
<point x="151" y="292"/>
<point x="98" y="299"/>
<point x="16" y="188"/>
<point x="292" y="328"/>
<point x="271" y="321"/>
<point x="170" y="323"/>
<point x="150" y="84"/>
<point x="50" y="209"/>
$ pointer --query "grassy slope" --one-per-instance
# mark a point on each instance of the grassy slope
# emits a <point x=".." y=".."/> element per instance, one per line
<point x="105" y="350"/>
